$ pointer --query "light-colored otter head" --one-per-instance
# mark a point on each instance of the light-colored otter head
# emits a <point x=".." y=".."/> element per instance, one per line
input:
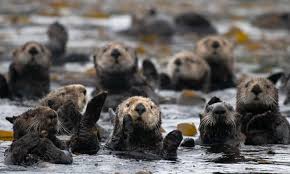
<point x="57" y="32"/>
<point x="187" y="65"/>
<point x="257" y="95"/>
<point x="217" y="112"/>
<point x="115" y="57"/>
<point x="58" y="97"/>
<point x="143" y="111"/>
<point x="32" y="53"/>
<point x="215" y="49"/>
<point x="37" y="120"/>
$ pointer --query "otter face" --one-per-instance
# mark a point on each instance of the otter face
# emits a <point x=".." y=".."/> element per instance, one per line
<point x="75" y="93"/>
<point x="217" y="112"/>
<point x="115" y="57"/>
<point x="187" y="65"/>
<point x="215" y="48"/>
<point x="32" y="53"/>
<point x="57" y="32"/>
<point x="257" y="92"/>
<point x="38" y="120"/>
<point x="143" y="111"/>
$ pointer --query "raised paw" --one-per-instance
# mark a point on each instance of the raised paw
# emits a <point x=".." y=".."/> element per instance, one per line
<point x="170" y="144"/>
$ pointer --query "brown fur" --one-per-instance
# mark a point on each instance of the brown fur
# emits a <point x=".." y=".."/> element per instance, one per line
<point x="35" y="120"/>
<point x="218" y="52"/>
<point x="186" y="66"/>
<point x="268" y="99"/>
<point x="75" y="93"/>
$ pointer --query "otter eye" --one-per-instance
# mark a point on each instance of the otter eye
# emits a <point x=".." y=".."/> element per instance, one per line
<point x="127" y="105"/>
<point x="247" y="84"/>
<point x="105" y="49"/>
<point x="268" y="86"/>
<point x="85" y="92"/>
<point x="151" y="107"/>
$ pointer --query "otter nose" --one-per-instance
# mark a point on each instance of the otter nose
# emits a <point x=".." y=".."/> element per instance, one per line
<point x="140" y="108"/>
<point x="177" y="62"/>
<point x="256" y="90"/>
<point x="33" y="51"/>
<point x="219" y="110"/>
<point x="215" y="44"/>
<point x="115" y="53"/>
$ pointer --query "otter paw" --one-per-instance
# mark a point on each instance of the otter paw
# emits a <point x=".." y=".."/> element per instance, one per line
<point x="85" y="144"/>
<point x="128" y="125"/>
<point x="170" y="144"/>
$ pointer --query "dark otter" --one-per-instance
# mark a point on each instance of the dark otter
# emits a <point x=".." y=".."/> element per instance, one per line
<point x="218" y="52"/>
<point x="220" y="124"/>
<point x="35" y="138"/>
<point x="138" y="129"/>
<point x="35" y="135"/>
<point x="258" y="103"/>
<point x="273" y="20"/>
<point x="57" y="42"/>
<point x="187" y="71"/>
<point x="117" y="72"/>
<point x="29" y="71"/>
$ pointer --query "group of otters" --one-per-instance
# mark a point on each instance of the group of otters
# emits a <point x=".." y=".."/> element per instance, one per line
<point x="127" y="92"/>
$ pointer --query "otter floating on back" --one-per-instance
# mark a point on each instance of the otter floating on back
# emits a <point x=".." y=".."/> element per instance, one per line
<point x="137" y="128"/>
<point x="218" y="53"/>
<point x="186" y="71"/>
<point x="117" y="72"/>
<point x="258" y="103"/>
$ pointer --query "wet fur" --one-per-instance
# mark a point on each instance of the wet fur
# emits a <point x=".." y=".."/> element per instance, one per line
<point x="220" y="132"/>
<point x="142" y="134"/>
<point x="29" y="77"/>
<point x="262" y="122"/>
<point x="221" y="61"/>
<point x="187" y="71"/>
<point x="121" y="80"/>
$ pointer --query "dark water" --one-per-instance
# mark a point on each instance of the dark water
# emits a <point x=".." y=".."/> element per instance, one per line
<point x="88" y="33"/>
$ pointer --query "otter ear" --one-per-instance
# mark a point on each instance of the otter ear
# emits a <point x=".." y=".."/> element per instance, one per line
<point x="274" y="78"/>
<point x="11" y="119"/>
<point x="150" y="72"/>
<point x="165" y="81"/>
<point x="214" y="100"/>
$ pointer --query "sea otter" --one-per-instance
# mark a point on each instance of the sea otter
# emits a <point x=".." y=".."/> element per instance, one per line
<point x="4" y="88"/>
<point x="220" y="124"/>
<point x="29" y="71"/>
<point x="117" y="72"/>
<point x="258" y="103"/>
<point x="186" y="71"/>
<point x="35" y="139"/>
<point x="137" y="128"/>
<point x="218" y="52"/>
<point x="35" y="135"/>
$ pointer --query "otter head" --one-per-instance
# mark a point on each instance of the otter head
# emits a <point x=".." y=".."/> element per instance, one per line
<point x="31" y="53"/>
<point x="75" y="93"/>
<point x="215" y="49"/>
<point x="257" y="95"/>
<point x="115" y="57"/>
<point x="217" y="112"/>
<point x="143" y="111"/>
<point x="36" y="120"/>
<point x="57" y="32"/>
<point x="186" y="65"/>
